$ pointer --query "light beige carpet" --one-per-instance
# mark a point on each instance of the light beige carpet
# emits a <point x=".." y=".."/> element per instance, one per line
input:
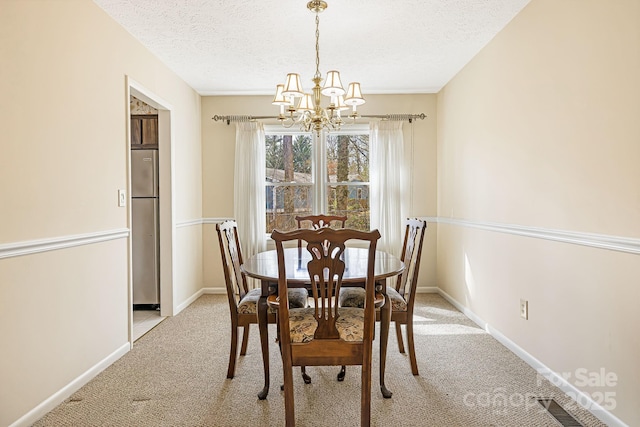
<point x="176" y="376"/>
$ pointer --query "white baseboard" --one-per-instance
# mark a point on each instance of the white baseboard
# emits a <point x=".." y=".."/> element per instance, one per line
<point x="464" y="310"/>
<point x="427" y="290"/>
<point x="559" y="381"/>
<point x="202" y="291"/>
<point x="58" y="397"/>
<point x="188" y="301"/>
<point x="556" y="379"/>
<point x="215" y="291"/>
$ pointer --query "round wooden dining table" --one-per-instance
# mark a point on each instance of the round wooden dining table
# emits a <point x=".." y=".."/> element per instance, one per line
<point x="264" y="266"/>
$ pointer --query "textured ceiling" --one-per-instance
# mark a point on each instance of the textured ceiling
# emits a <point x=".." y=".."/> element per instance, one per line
<point x="224" y="47"/>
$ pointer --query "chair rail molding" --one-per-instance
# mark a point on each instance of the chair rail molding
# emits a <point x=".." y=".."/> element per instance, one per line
<point x="215" y="220"/>
<point x="199" y="221"/>
<point x="602" y="241"/>
<point x="9" y="250"/>
<point x="189" y="223"/>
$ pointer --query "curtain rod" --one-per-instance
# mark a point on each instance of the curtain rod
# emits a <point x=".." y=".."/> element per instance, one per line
<point x="409" y="117"/>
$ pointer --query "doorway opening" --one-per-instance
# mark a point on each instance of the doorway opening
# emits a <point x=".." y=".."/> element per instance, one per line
<point x="164" y="201"/>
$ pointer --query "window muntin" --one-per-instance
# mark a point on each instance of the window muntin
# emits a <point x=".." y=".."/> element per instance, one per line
<point x="307" y="174"/>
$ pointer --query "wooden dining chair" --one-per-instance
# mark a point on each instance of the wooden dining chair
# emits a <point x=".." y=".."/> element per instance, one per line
<point x="242" y="301"/>
<point x="325" y="334"/>
<point x="403" y="294"/>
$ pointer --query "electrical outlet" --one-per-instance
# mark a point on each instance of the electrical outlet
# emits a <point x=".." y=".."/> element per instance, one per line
<point x="122" y="198"/>
<point x="524" y="309"/>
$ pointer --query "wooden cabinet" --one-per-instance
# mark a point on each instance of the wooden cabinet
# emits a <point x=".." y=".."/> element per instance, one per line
<point x="144" y="130"/>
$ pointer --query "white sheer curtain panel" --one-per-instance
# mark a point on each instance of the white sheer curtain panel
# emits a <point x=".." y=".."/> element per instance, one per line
<point x="249" y="176"/>
<point x="389" y="183"/>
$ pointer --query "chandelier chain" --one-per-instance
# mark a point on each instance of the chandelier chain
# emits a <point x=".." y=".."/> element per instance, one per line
<point x="317" y="45"/>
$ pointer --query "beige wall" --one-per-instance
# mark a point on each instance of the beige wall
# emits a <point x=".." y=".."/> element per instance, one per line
<point x="64" y="155"/>
<point x="218" y="148"/>
<point x="541" y="130"/>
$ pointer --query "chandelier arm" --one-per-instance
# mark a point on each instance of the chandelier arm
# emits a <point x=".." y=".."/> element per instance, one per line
<point x="289" y="126"/>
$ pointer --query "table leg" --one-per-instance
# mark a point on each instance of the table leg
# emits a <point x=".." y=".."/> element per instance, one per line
<point x="264" y="343"/>
<point x="385" y="321"/>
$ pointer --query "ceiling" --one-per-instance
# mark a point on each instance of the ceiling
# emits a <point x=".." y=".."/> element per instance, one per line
<point x="243" y="47"/>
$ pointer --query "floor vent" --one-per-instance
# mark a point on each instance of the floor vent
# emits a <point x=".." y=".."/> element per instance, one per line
<point x="557" y="412"/>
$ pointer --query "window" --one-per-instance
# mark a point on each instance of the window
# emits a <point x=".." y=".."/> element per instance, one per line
<point x="307" y="174"/>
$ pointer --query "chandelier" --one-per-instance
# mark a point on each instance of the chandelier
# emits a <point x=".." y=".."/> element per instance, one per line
<point x="305" y="109"/>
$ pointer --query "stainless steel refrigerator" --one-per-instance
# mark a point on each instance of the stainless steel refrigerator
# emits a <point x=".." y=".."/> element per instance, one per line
<point x="144" y="228"/>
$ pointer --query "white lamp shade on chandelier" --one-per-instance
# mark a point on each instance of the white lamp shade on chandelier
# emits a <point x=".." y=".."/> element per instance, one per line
<point x="332" y="84"/>
<point x="354" y="95"/>
<point x="293" y="87"/>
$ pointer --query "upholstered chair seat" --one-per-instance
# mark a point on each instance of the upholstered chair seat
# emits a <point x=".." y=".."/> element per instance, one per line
<point x="354" y="297"/>
<point x="248" y="304"/>
<point x="303" y="324"/>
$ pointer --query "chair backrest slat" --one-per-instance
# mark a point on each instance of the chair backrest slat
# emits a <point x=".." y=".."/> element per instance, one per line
<point x="231" y="254"/>
<point x="411" y="254"/>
